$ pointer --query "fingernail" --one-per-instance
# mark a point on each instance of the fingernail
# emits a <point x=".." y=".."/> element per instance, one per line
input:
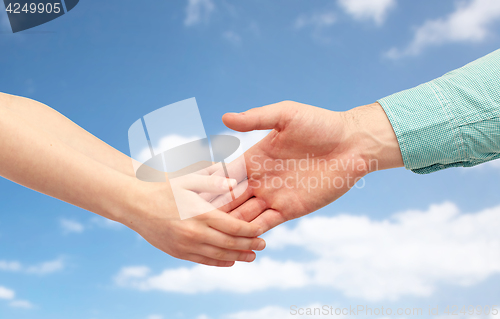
<point x="261" y="245"/>
<point x="250" y="257"/>
<point x="260" y="231"/>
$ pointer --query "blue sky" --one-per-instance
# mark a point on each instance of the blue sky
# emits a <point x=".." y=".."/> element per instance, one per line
<point x="403" y="240"/>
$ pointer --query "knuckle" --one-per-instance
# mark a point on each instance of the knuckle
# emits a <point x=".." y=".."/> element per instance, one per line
<point x="190" y="233"/>
<point x="220" y="254"/>
<point x="230" y="243"/>
<point x="237" y="214"/>
<point x="253" y="244"/>
<point x="235" y="228"/>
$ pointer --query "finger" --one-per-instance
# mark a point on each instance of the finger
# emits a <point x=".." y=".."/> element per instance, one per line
<point x="211" y="169"/>
<point x="237" y="169"/>
<point x="260" y="118"/>
<point x="269" y="219"/>
<point x="189" y="204"/>
<point x="200" y="259"/>
<point x="249" y="210"/>
<point x="234" y="173"/>
<point x="226" y="254"/>
<point x="196" y="167"/>
<point x="210" y="196"/>
<point x="201" y="183"/>
<point x="225" y="201"/>
<point x="230" y="225"/>
<point x="222" y="240"/>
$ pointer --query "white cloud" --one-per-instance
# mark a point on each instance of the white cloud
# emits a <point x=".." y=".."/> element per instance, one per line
<point x="43" y="268"/>
<point x="71" y="226"/>
<point x="10" y="265"/>
<point x="274" y="312"/>
<point x="318" y="22"/>
<point x="470" y="22"/>
<point x="6" y="293"/>
<point x="233" y="37"/>
<point x="386" y="259"/>
<point x="9" y="294"/>
<point x="277" y="312"/>
<point x="21" y="304"/>
<point x="375" y="10"/>
<point x="47" y="267"/>
<point x="155" y="317"/>
<point x="128" y="274"/>
<point x="242" y="278"/>
<point x="198" y="11"/>
<point x="269" y="312"/>
<point x="409" y="254"/>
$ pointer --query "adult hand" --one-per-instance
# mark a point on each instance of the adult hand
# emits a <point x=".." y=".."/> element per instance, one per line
<point x="211" y="237"/>
<point x="311" y="157"/>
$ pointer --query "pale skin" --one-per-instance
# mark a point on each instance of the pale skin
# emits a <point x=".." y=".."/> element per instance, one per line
<point x="45" y="151"/>
<point x="363" y="136"/>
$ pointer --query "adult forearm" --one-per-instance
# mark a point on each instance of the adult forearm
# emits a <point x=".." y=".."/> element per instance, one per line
<point x="34" y="156"/>
<point x="38" y="160"/>
<point x="41" y="117"/>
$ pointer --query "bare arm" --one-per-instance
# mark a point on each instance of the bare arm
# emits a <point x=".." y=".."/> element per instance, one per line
<point x="37" y="158"/>
<point x="43" y="118"/>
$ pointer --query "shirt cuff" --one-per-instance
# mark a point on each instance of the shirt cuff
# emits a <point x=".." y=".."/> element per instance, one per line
<point x="427" y="131"/>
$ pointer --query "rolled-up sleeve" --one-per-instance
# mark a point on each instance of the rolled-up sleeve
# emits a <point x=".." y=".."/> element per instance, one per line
<point x="451" y="121"/>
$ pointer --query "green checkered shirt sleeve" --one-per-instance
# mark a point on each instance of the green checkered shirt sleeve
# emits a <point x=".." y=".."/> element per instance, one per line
<point x="451" y="121"/>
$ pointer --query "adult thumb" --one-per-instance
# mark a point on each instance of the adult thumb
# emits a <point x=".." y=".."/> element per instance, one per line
<point x="260" y="118"/>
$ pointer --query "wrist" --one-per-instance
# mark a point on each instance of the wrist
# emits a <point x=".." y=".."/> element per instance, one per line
<point x="372" y="137"/>
<point x="120" y="201"/>
<point x="145" y="201"/>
